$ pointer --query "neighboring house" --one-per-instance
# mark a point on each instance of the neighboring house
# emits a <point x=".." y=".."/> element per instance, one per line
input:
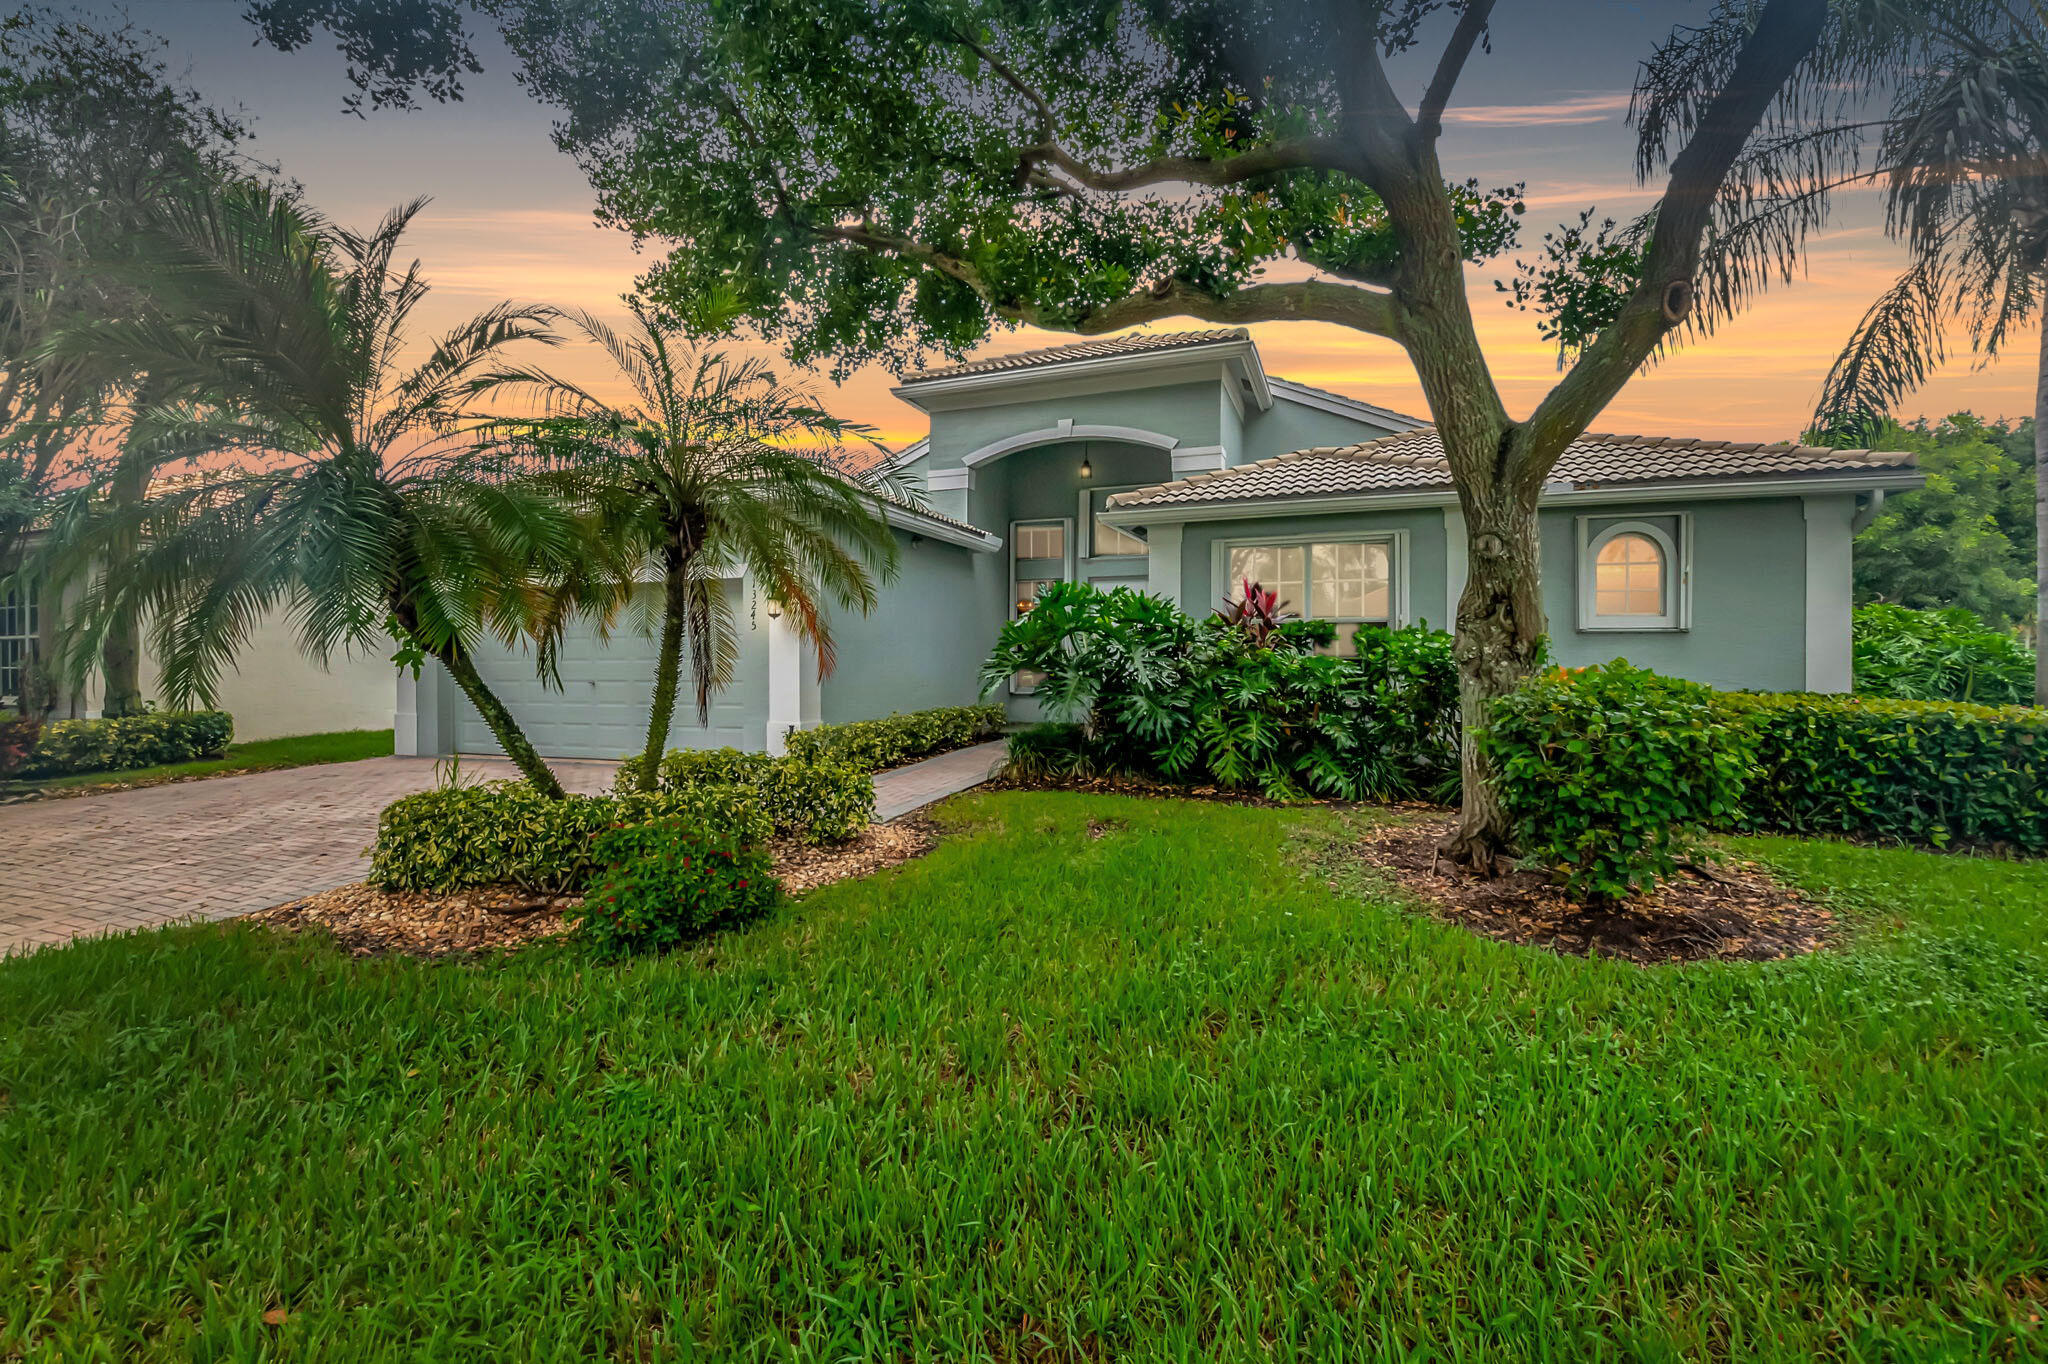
<point x="272" y="689"/>
<point x="1176" y="464"/>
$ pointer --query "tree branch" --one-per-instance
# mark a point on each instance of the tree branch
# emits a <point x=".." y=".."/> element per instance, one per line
<point x="1365" y="310"/>
<point x="1786" y="33"/>
<point x="1305" y="153"/>
<point x="1429" y="118"/>
<point x="1047" y="124"/>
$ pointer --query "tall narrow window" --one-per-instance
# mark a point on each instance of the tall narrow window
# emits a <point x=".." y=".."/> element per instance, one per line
<point x="1045" y="540"/>
<point x="17" y="641"/>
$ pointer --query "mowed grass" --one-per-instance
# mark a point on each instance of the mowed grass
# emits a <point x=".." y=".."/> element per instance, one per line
<point x="258" y="755"/>
<point x="1101" y="1079"/>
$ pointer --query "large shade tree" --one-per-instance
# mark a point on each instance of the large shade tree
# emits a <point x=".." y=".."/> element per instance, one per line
<point x="340" y="477"/>
<point x="876" y="178"/>
<point x="711" y="467"/>
<point x="1965" y="165"/>
<point x="94" y="131"/>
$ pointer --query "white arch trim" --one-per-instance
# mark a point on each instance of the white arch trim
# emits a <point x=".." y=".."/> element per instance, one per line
<point x="1068" y="429"/>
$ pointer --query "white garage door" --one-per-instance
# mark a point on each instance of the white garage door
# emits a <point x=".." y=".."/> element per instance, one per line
<point x="601" y="709"/>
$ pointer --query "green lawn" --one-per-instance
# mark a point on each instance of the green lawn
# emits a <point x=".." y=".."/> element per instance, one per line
<point x="261" y="755"/>
<point x="1101" y="1079"/>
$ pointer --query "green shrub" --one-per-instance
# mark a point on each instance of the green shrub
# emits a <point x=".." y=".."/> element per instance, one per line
<point x="872" y="745"/>
<point x="1246" y="701"/>
<point x="116" y="745"/>
<point x="505" y="832"/>
<point x="1613" y="774"/>
<point x="673" y="879"/>
<point x="1946" y="655"/>
<point x="1053" y="752"/>
<point x="812" y="800"/>
<point x="17" y="740"/>
<point x="1919" y="771"/>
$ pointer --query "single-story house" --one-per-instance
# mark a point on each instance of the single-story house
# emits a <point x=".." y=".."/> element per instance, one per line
<point x="272" y="689"/>
<point x="1175" y="463"/>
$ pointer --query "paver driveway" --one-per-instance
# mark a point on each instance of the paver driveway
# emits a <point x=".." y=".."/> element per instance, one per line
<point x="216" y="848"/>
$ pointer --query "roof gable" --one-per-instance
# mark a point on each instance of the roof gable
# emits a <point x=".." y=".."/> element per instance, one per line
<point x="1096" y="348"/>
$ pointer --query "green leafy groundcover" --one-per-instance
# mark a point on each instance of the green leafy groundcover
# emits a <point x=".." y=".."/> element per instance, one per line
<point x="872" y="745"/>
<point x="814" y="800"/>
<point x="148" y="740"/>
<point x="1100" y="1078"/>
<point x="506" y="833"/>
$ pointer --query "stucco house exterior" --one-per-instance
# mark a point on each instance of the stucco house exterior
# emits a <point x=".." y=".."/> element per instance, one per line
<point x="1175" y="463"/>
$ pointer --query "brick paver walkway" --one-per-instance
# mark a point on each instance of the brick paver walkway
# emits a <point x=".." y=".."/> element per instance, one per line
<point x="910" y="788"/>
<point x="214" y="849"/>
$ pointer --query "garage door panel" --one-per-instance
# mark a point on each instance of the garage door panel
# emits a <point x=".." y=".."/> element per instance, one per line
<point x="601" y="708"/>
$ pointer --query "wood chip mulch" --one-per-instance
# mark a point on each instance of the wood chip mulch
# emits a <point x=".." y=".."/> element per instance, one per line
<point x="1734" y="911"/>
<point x="367" y="922"/>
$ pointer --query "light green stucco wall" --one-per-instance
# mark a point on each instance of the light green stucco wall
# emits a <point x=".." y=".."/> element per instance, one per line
<point x="1425" y="569"/>
<point x="1748" y="596"/>
<point x="1286" y="427"/>
<point x="922" y="646"/>
<point x="1748" y="622"/>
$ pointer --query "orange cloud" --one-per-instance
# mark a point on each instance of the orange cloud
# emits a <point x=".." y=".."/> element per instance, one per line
<point x="1557" y="113"/>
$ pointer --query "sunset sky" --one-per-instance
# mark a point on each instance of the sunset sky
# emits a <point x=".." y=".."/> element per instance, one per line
<point x="511" y="217"/>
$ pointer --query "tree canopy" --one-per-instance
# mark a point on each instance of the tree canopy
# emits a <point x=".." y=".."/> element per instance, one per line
<point x="93" y="131"/>
<point x="1967" y="538"/>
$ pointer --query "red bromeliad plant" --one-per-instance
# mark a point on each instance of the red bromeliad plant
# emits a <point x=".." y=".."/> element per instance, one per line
<point x="1258" y="612"/>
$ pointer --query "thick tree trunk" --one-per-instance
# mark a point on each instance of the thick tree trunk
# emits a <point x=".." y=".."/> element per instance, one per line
<point x="667" y="670"/>
<point x="2041" y="519"/>
<point x="1500" y="637"/>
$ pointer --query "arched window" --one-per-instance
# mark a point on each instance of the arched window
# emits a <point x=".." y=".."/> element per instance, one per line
<point x="1630" y="579"/>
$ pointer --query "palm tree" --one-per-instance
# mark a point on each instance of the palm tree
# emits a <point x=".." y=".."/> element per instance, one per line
<point x="1965" y="154"/>
<point x="343" y="484"/>
<point x="706" y="471"/>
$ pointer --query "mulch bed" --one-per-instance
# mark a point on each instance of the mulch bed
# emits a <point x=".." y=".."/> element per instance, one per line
<point x="1733" y="912"/>
<point x="367" y="922"/>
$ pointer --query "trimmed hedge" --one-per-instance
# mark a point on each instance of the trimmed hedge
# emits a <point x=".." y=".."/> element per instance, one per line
<point x="812" y="800"/>
<point x="1613" y="774"/>
<point x="116" y="745"/>
<point x="671" y="880"/>
<point x="504" y="832"/>
<point x="1919" y="771"/>
<point x="872" y="745"/>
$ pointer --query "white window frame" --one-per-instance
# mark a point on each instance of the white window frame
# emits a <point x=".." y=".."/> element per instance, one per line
<point x="1086" y="521"/>
<point x="1677" y="613"/>
<point x="1396" y="542"/>
<point x="27" y="619"/>
<point x="1010" y="611"/>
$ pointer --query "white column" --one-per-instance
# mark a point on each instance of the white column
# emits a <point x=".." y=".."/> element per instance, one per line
<point x="785" y="683"/>
<point x="422" y="720"/>
<point x="1830" y="590"/>
<point x="1162" y="558"/>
